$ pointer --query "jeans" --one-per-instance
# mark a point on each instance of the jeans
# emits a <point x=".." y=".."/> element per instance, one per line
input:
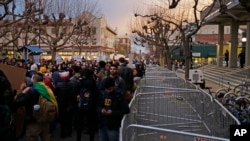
<point x="108" y="135"/>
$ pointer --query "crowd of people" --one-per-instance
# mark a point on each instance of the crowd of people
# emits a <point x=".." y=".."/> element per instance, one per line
<point x="91" y="97"/>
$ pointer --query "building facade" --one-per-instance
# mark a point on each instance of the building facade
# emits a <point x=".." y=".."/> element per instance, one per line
<point x="123" y="45"/>
<point x="97" y="45"/>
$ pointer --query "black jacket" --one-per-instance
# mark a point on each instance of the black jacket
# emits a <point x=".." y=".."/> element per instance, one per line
<point x="28" y="100"/>
<point x="90" y="83"/>
<point x="127" y="74"/>
<point x="119" y="107"/>
<point x="64" y="91"/>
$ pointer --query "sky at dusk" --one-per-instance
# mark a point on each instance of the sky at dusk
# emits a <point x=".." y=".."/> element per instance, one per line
<point x="119" y="13"/>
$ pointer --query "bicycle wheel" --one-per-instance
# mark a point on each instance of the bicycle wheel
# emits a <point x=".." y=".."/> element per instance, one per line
<point x="229" y="98"/>
<point x="219" y="94"/>
<point x="241" y="90"/>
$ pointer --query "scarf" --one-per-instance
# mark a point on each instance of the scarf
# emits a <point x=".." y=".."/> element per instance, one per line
<point x="46" y="92"/>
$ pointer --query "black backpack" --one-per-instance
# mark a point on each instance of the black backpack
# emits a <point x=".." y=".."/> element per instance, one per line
<point x="84" y="99"/>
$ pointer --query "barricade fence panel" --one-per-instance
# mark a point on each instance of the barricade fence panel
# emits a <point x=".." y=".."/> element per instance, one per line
<point x="178" y="110"/>
<point x="137" y="132"/>
<point x="168" y="107"/>
<point x="174" y="82"/>
<point x="162" y="74"/>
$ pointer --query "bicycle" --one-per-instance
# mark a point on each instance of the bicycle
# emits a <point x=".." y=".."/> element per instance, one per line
<point x="243" y="89"/>
<point x="219" y="94"/>
<point x="238" y="106"/>
<point x="209" y="91"/>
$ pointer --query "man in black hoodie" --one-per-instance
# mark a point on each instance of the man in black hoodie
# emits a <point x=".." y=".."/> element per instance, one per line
<point x="111" y="109"/>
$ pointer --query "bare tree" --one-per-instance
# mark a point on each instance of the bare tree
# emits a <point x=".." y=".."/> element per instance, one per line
<point x="161" y="30"/>
<point x="160" y="33"/>
<point x="14" y="18"/>
<point x="61" y="21"/>
<point x="85" y="25"/>
<point x="173" y="3"/>
<point x="187" y="25"/>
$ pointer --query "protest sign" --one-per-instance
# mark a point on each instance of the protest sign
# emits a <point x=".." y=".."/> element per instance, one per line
<point x="15" y="75"/>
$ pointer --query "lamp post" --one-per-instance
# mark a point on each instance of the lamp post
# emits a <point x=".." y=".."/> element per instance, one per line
<point x="191" y="27"/>
<point x="191" y="52"/>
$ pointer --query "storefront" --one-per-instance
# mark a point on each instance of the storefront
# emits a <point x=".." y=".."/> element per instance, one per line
<point x="201" y="54"/>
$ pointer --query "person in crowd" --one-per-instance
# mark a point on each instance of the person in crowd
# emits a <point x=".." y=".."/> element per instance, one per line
<point x="241" y="57"/>
<point x="119" y="82"/>
<point x="140" y="70"/>
<point x="33" y="69"/>
<point x="28" y="98"/>
<point x="76" y="78"/>
<point x="7" y="132"/>
<point x="111" y="108"/>
<point x="66" y="99"/>
<point x="226" y="55"/>
<point x="102" y="72"/>
<point x="127" y="74"/>
<point x="137" y="77"/>
<point x="86" y="115"/>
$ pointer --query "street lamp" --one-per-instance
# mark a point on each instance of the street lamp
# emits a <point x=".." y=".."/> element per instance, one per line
<point x="243" y="40"/>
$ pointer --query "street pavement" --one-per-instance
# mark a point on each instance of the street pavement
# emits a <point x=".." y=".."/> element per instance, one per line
<point x="56" y="136"/>
<point x="214" y="86"/>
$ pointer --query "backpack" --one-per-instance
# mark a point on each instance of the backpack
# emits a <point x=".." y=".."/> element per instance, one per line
<point x="84" y="99"/>
<point x="47" y="112"/>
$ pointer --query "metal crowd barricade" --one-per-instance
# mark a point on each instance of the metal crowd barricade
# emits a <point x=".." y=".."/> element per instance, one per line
<point x="169" y="108"/>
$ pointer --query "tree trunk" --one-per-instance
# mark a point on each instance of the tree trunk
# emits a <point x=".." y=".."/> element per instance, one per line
<point x="187" y="58"/>
<point x="53" y="57"/>
<point x="162" y="59"/>
<point x="168" y="59"/>
<point x="80" y="51"/>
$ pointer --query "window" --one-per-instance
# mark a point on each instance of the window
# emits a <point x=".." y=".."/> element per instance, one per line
<point x="53" y="30"/>
<point x="34" y="42"/>
<point x="93" y="30"/>
<point x="64" y="30"/>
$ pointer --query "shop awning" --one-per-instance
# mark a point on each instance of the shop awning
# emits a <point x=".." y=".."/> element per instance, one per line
<point x="32" y="49"/>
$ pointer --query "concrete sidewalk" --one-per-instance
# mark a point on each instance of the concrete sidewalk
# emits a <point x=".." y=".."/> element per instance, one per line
<point x="214" y="86"/>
